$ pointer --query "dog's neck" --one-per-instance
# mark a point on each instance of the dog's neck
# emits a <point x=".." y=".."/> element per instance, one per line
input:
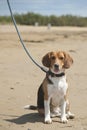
<point x="49" y="73"/>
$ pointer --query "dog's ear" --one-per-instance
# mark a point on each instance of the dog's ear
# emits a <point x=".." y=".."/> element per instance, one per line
<point x="46" y="60"/>
<point x="68" y="61"/>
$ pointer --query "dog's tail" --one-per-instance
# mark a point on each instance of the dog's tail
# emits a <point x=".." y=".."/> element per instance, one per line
<point x="30" y="107"/>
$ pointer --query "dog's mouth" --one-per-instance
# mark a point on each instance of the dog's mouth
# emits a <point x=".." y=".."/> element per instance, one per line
<point x="56" y="70"/>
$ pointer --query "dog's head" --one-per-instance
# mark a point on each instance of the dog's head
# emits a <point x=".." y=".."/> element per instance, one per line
<point x="57" y="61"/>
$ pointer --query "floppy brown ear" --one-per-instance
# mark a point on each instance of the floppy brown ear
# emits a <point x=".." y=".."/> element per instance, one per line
<point x="68" y="61"/>
<point x="46" y="60"/>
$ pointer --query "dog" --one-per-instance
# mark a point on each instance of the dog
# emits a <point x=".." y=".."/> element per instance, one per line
<point x="52" y="97"/>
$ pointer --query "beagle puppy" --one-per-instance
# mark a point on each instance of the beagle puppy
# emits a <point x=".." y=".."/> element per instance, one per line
<point x="52" y="97"/>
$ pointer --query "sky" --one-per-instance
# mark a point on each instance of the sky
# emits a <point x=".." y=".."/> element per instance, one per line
<point x="46" y="7"/>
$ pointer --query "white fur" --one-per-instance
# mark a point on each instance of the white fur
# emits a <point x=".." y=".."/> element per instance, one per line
<point x="56" y="93"/>
<point x="47" y="111"/>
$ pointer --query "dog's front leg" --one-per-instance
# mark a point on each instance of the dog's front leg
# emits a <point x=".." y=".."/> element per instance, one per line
<point x="63" y="112"/>
<point x="47" y="111"/>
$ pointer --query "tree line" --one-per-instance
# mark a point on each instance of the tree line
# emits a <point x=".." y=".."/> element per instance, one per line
<point x="32" y="18"/>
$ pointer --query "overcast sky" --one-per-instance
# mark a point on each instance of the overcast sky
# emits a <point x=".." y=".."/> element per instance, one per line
<point x="46" y="7"/>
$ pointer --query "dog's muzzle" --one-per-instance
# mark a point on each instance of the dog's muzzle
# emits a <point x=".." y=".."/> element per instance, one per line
<point x="56" y="67"/>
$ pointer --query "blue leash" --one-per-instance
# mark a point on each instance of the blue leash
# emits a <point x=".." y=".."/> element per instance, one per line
<point x="14" y="21"/>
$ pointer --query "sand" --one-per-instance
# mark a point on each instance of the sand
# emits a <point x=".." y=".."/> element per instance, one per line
<point x="20" y="78"/>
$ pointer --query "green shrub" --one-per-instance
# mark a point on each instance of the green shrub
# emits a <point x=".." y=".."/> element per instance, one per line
<point x="32" y="18"/>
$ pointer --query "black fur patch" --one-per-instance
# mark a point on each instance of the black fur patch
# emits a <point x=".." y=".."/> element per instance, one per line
<point x="40" y="98"/>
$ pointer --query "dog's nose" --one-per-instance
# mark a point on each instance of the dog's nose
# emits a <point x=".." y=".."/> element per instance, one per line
<point x="56" y="66"/>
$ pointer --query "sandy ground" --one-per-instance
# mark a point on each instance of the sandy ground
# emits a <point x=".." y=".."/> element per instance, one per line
<point x="20" y="78"/>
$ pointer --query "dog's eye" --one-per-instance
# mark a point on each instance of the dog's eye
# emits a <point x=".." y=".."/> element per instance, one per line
<point x="61" y="58"/>
<point x="53" y="57"/>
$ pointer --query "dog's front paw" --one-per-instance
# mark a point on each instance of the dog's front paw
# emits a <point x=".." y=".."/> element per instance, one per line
<point x="64" y="119"/>
<point x="48" y="120"/>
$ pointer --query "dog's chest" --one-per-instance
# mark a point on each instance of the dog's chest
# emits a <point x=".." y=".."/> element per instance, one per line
<point x="58" y="88"/>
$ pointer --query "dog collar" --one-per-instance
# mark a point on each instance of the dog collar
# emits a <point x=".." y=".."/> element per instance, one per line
<point x="49" y="73"/>
<point x="55" y="75"/>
